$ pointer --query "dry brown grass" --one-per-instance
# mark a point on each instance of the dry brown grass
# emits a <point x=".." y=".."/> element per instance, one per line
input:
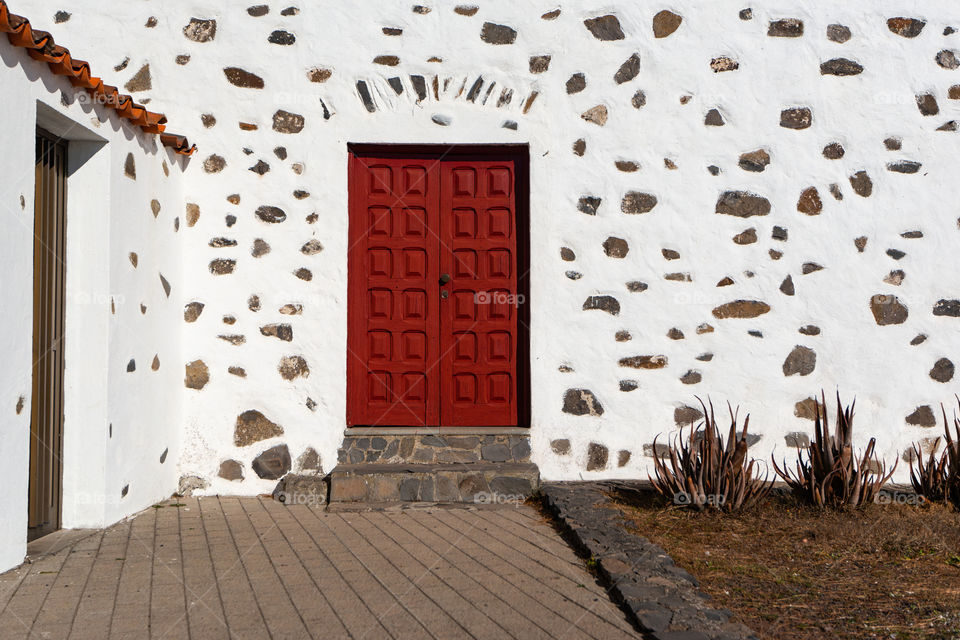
<point x="794" y="572"/>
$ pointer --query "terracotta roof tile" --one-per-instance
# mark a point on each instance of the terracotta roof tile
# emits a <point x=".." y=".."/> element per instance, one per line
<point x="40" y="46"/>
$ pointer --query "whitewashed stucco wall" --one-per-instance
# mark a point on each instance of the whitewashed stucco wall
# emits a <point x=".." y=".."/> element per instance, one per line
<point x="571" y="348"/>
<point x="118" y="422"/>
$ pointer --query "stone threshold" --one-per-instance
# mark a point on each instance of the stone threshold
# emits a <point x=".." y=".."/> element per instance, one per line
<point x="436" y="431"/>
<point x="457" y="467"/>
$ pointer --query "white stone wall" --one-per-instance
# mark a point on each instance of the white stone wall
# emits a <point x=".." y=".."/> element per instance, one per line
<point x="123" y="376"/>
<point x="649" y="135"/>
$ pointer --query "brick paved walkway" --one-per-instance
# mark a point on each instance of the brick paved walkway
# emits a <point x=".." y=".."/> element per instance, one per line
<point x="252" y="568"/>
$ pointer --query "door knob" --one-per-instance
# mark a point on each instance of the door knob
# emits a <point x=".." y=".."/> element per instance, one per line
<point x="444" y="279"/>
<point x="444" y="294"/>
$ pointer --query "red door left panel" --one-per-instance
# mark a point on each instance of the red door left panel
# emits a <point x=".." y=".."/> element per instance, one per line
<point x="394" y="312"/>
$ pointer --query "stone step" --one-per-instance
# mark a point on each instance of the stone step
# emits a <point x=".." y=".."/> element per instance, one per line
<point x="479" y="482"/>
<point x="438" y="447"/>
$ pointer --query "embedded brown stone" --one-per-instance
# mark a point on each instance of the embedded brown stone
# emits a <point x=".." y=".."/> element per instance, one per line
<point x="638" y="202"/>
<point x="797" y="440"/>
<point x="602" y="303"/>
<point x="492" y="33"/>
<point x="887" y="309"/>
<point x="786" y="28"/>
<point x="942" y="370"/>
<point x="623" y="457"/>
<point x="755" y="161"/>
<point x="604" y="27"/>
<point x="906" y="27"/>
<point x="286" y="122"/>
<point x="801" y="361"/>
<point x="260" y="248"/>
<point x="539" y="64"/>
<point x="580" y="147"/>
<point x="628" y="70"/>
<point x="130" y="167"/>
<point x="748" y="236"/>
<point x="841" y="67"/>
<point x="741" y="309"/>
<point x="466" y="10"/>
<point x="192" y="311"/>
<point x="742" y="204"/>
<point x="627" y="166"/>
<point x="576" y="83"/>
<point x="643" y="362"/>
<point x="214" y="164"/>
<point x="231" y="470"/>
<point x="675" y="334"/>
<point x="589" y="205"/>
<point x="670" y="254"/>
<point x="273" y="463"/>
<point x="724" y="63"/>
<point x="222" y="266"/>
<point x="686" y="415"/>
<point x="252" y="426"/>
<point x="636" y="286"/>
<point x="838" y="33"/>
<point x="806" y="409"/>
<point x="597" y="115"/>
<point x="833" y="151"/>
<point x="615" y="247"/>
<point x="862" y="184"/>
<point x="927" y="104"/>
<point x="311" y="247"/>
<point x="796" y="118"/>
<point x="922" y="417"/>
<point x="304" y="274"/>
<point x="387" y="61"/>
<point x="691" y="377"/>
<point x="904" y="166"/>
<point x="197" y="375"/>
<point x="713" y="118"/>
<point x="581" y="402"/>
<point x="281" y="331"/>
<point x="271" y="214"/>
<point x="241" y="78"/>
<point x="950" y="308"/>
<point x="200" y="30"/>
<point x="810" y="202"/>
<point x="597" y="456"/>
<point x="639" y="99"/>
<point x="560" y="447"/>
<point x="786" y="287"/>
<point x="281" y="37"/>
<point x="664" y="24"/>
<point x="141" y="81"/>
<point x="291" y="367"/>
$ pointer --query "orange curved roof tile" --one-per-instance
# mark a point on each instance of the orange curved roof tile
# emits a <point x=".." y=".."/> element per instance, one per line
<point x="40" y="46"/>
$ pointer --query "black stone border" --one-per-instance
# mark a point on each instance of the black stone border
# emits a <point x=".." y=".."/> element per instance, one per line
<point x="660" y="598"/>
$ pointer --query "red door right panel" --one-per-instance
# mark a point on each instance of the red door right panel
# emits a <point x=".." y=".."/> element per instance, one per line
<point x="478" y="321"/>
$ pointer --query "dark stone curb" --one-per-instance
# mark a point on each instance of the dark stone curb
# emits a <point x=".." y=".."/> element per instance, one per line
<point x="659" y="598"/>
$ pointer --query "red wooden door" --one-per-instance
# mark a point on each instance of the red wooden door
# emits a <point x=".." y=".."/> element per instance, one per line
<point x="432" y="309"/>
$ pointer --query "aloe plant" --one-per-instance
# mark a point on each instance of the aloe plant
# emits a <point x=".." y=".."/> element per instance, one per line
<point x="831" y="475"/>
<point x="929" y="478"/>
<point x="951" y="459"/>
<point x="708" y="473"/>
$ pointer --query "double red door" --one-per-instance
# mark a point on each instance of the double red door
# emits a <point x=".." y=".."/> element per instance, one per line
<point x="433" y="290"/>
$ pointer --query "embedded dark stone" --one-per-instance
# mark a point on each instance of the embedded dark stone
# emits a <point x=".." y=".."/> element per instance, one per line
<point x="833" y="151"/>
<point x="664" y="24"/>
<point x="222" y="266"/>
<point x="841" y="67"/>
<point x="635" y="286"/>
<point x="809" y="202"/>
<point x="686" y="415"/>
<point x="786" y="287"/>
<point x="576" y="83"/>
<point x="240" y="78"/>
<point x="755" y="161"/>
<point x="796" y="118"/>
<point x="387" y="61"/>
<point x="810" y="267"/>
<point x="588" y="205"/>
<point x="597" y="456"/>
<point x="130" y="167"/>
<point x="497" y="33"/>
<point x="948" y="59"/>
<point x="131" y="366"/>
<point x="282" y="37"/>
<point x="927" y="104"/>
<point x="200" y="30"/>
<point x="742" y="204"/>
<point x="838" y="33"/>
<point x="904" y="166"/>
<point x="810" y="330"/>
<point x="365" y="96"/>
<point x="862" y="184"/>
<point x="950" y="308"/>
<point x="628" y="385"/>
<point x="197" y="375"/>
<point x="271" y="214"/>
<point x="906" y="27"/>
<point x="604" y="27"/>
<point x="801" y="361"/>
<point x="419" y="87"/>
<point x="741" y="309"/>
<point x="627" y="166"/>
<point x="567" y="254"/>
<point x="292" y="367"/>
<point x="311" y="247"/>
<point x="893" y="144"/>
<point x="623" y="457"/>
<point x="713" y="118"/>
<point x="639" y="99"/>
<point x="286" y="122"/>
<point x="779" y="233"/>
<point x="746" y="14"/>
<point x="258" y="11"/>
<point x="581" y="402"/>
<point x="602" y="303"/>
<point x="691" y="377"/>
<point x="896" y="254"/>
<point x="273" y="463"/>
<point x="786" y="28"/>
<point x="539" y="64"/>
<point x="192" y="311"/>
<point x="281" y="331"/>
<point x="628" y="70"/>
<point x="252" y="426"/>
<point x="616" y="247"/>
<point x="260" y="168"/>
<point x="887" y="309"/>
<point x="214" y="164"/>
<point x="560" y="447"/>
<point x="141" y="81"/>
<point x="922" y="417"/>
<point x="638" y="202"/>
<point x="942" y="370"/>
<point x="797" y="440"/>
<point x="231" y="470"/>
<point x="643" y="362"/>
